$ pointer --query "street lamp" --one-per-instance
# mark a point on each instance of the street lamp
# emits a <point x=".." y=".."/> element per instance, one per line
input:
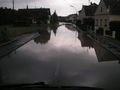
<point x="74" y="8"/>
<point x="76" y="11"/>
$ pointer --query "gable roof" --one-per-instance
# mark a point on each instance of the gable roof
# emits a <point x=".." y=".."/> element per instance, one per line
<point x="80" y="11"/>
<point x="72" y="15"/>
<point x="37" y="10"/>
<point x="114" y="6"/>
<point x="90" y="10"/>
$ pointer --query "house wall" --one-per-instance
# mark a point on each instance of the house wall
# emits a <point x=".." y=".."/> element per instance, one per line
<point x="102" y="17"/>
<point x="102" y="22"/>
<point x="102" y="9"/>
<point x="82" y="15"/>
<point x="114" y="18"/>
<point x="72" y="18"/>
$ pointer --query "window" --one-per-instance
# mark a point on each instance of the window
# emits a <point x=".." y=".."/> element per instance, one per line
<point x="105" y="22"/>
<point x="96" y="22"/>
<point x="101" y="22"/>
<point x="101" y="9"/>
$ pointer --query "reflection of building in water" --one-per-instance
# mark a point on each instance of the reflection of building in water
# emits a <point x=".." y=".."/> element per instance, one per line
<point x="70" y="27"/>
<point x="85" y="41"/>
<point x="43" y="38"/>
<point x="54" y="28"/>
<point x="103" y="55"/>
<point x="1" y="81"/>
<point x="1" y="77"/>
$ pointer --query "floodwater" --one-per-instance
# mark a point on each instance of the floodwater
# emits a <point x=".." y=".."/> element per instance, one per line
<point x="61" y="56"/>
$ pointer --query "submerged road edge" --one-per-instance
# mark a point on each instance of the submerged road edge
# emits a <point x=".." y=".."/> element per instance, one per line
<point x="6" y="48"/>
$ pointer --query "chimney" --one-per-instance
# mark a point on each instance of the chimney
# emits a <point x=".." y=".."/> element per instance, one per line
<point x="13" y="2"/>
<point x="91" y="3"/>
<point x="27" y="7"/>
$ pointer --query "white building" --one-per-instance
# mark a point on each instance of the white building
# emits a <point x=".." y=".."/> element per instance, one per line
<point x="108" y="11"/>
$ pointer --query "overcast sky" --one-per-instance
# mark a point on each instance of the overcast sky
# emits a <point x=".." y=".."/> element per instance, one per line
<point x="62" y="7"/>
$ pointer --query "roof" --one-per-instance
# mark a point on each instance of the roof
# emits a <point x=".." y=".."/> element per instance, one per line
<point x="90" y="10"/>
<point x="37" y="10"/>
<point x="72" y="15"/>
<point x="113" y="5"/>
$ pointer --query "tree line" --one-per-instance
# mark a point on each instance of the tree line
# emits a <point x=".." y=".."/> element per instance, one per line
<point x="25" y="17"/>
<point x="7" y="16"/>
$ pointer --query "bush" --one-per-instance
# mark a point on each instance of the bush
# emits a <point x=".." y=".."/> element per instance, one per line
<point x="4" y="35"/>
<point x="100" y="31"/>
<point x="115" y="26"/>
<point x="108" y="33"/>
<point x="7" y="16"/>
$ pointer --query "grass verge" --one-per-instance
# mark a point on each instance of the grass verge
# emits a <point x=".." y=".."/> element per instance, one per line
<point x="14" y="31"/>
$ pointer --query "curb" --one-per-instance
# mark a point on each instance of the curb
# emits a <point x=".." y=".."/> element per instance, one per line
<point x="104" y="47"/>
<point x="117" y="56"/>
<point x="4" y="44"/>
<point x="35" y="35"/>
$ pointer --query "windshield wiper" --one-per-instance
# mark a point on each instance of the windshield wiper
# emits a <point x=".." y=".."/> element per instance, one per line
<point x="42" y="85"/>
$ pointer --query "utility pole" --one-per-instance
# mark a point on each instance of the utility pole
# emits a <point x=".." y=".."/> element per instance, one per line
<point x="74" y="8"/>
<point x="13" y="3"/>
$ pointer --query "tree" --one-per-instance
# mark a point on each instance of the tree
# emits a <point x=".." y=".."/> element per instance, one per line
<point x="7" y="16"/>
<point x="54" y="18"/>
<point x="4" y="35"/>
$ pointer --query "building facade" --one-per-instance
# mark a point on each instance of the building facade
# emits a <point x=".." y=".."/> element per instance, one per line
<point x="34" y="15"/>
<point x="107" y="12"/>
<point x="86" y="15"/>
<point x="72" y="18"/>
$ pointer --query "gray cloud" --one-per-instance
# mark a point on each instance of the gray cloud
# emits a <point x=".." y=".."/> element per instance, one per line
<point x="61" y="6"/>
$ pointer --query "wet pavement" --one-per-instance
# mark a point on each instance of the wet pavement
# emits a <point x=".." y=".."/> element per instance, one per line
<point x="10" y="46"/>
<point x="106" y="42"/>
<point x="61" y="57"/>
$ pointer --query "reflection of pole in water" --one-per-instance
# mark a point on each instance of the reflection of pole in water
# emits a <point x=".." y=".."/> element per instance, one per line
<point x="1" y="81"/>
<point x="57" y="74"/>
<point x="57" y="69"/>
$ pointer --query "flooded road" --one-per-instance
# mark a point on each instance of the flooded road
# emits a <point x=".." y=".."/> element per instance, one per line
<point x="61" y="57"/>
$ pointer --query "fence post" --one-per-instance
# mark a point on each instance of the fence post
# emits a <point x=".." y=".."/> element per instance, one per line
<point x="114" y="34"/>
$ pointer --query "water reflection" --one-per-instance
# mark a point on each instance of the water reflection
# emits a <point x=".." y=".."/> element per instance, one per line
<point x="44" y="35"/>
<point x="70" y="27"/>
<point x="102" y="54"/>
<point x="54" y="28"/>
<point x="1" y="81"/>
<point x="43" y="38"/>
<point x="85" y="40"/>
<point x="67" y="58"/>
